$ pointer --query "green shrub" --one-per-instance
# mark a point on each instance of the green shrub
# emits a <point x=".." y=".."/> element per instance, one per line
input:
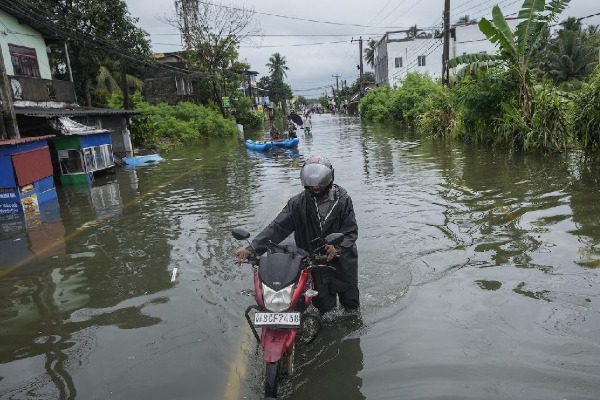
<point x="376" y="105"/>
<point x="549" y="123"/>
<point x="163" y="124"/>
<point x="244" y="113"/>
<point x="477" y="100"/>
<point x="438" y="116"/>
<point x="586" y="112"/>
<point x="410" y="100"/>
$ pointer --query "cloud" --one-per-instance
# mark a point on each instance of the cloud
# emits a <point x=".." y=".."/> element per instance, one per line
<point x="312" y="66"/>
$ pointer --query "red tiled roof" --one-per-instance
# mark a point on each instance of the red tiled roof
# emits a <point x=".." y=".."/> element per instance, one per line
<point x="11" y="142"/>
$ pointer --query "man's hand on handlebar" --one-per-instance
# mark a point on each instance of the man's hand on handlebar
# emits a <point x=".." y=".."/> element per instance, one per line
<point x="242" y="255"/>
<point x="330" y="252"/>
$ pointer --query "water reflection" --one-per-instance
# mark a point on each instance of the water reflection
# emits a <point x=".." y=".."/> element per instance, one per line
<point x="330" y="367"/>
<point x="79" y="256"/>
<point x="27" y="240"/>
<point x="470" y="261"/>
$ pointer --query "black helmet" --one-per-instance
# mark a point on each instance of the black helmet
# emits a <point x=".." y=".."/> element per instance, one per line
<point x="316" y="171"/>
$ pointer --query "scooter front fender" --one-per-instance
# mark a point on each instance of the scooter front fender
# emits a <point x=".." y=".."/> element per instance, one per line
<point x="276" y="341"/>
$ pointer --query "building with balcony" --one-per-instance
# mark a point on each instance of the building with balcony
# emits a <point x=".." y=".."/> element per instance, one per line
<point x="31" y="99"/>
<point x="170" y="82"/>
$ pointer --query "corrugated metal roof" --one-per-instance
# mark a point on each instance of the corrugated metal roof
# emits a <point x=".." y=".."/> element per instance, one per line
<point x="71" y="112"/>
<point x="12" y="142"/>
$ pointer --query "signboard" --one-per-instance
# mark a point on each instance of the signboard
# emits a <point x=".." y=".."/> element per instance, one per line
<point x="259" y="108"/>
<point x="226" y="103"/>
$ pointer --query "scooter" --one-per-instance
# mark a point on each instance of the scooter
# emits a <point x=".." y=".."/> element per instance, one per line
<point x="283" y="290"/>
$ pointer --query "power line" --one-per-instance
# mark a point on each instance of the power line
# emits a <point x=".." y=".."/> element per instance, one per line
<point x="302" y="19"/>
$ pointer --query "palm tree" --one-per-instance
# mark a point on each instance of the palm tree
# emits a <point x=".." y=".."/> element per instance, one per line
<point x="370" y="53"/>
<point x="570" y="59"/>
<point x="109" y="78"/>
<point x="277" y="66"/>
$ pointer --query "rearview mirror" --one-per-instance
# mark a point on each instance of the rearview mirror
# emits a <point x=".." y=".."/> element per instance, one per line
<point x="240" y="233"/>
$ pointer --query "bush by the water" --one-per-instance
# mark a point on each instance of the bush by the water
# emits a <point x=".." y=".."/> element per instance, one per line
<point x="164" y="124"/>
<point x="483" y="108"/>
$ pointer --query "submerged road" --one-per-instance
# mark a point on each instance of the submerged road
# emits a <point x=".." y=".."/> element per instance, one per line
<point x="478" y="276"/>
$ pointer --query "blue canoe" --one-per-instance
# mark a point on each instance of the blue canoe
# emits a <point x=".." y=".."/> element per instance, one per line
<point x="142" y="160"/>
<point x="287" y="144"/>
<point x="258" y="146"/>
<point x="264" y="146"/>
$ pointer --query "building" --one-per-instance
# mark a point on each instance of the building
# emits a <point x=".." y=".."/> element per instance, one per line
<point x="399" y="53"/>
<point x="31" y="99"/>
<point x="26" y="175"/>
<point x="170" y="82"/>
<point x="250" y="88"/>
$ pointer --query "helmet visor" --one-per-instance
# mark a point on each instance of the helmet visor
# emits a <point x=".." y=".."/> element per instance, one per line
<point x="316" y="175"/>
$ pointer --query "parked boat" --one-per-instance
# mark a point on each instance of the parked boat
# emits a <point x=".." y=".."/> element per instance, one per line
<point x="258" y="146"/>
<point x="142" y="160"/>
<point x="287" y="143"/>
<point x="267" y="145"/>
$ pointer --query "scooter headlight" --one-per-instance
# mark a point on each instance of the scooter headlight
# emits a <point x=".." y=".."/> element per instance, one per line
<point x="277" y="300"/>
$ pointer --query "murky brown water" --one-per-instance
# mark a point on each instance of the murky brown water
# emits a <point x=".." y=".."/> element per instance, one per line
<point x="479" y="277"/>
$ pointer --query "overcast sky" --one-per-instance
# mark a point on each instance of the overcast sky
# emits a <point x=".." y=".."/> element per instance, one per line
<point x="314" y="60"/>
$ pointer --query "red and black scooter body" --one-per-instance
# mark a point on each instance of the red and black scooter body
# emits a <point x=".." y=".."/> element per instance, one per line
<point x="281" y="282"/>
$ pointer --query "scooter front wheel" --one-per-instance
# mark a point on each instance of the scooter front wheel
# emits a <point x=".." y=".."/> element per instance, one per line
<point x="271" y="379"/>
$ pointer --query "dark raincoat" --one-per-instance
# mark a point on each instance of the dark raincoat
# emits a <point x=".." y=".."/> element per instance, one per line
<point x="301" y="217"/>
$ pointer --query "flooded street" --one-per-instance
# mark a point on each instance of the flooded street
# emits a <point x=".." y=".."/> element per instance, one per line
<point x="479" y="276"/>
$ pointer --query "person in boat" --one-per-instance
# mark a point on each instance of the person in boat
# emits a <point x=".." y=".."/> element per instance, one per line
<point x="274" y="134"/>
<point x="320" y="209"/>
<point x="292" y="130"/>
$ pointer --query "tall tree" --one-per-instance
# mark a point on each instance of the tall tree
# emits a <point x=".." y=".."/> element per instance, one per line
<point x="99" y="30"/>
<point x="277" y="66"/>
<point x="278" y="69"/>
<point x="213" y="36"/>
<point x="570" y="55"/>
<point x="370" y="53"/>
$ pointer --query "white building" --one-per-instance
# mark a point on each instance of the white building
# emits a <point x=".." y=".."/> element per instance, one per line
<point x="397" y="53"/>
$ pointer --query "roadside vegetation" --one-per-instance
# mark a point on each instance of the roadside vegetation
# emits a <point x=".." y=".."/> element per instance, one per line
<point x="539" y="93"/>
<point x="104" y="68"/>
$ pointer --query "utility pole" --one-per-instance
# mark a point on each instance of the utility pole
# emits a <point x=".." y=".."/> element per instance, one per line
<point x="446" y="53"/>
<point x="360" y="77"/>
<point x="337" y="84"/>
<point x="360" y="66"/>
<point x="8" y="122"/>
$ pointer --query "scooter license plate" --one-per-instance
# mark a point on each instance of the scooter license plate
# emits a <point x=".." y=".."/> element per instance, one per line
<point x="277" y="319"/>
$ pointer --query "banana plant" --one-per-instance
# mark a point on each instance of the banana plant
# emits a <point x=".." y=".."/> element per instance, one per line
<point x="515" y="49"/>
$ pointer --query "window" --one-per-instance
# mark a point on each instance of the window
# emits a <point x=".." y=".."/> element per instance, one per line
<point x="70" y="161"/>
<point x="398" y="62"/>
<point x="24" y="60"/>
<point x="421" y="61"/>
<point x="182" y="86"/>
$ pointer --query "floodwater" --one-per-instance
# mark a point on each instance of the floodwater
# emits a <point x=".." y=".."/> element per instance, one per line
<point x="478" y="274"/>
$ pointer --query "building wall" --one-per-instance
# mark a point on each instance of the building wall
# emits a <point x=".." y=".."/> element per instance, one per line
<point x="468" y="39"/>
<point x="410" y="51"/>
<point x="22" y="35"/>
